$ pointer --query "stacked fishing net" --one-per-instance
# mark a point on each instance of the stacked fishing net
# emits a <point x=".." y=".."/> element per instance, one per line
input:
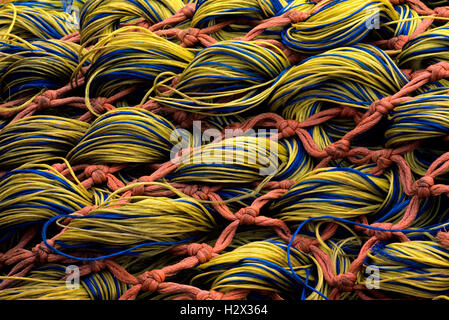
<point x="224" y="149"/>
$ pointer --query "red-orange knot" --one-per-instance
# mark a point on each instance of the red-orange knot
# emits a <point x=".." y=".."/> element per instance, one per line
<point x="442" y="12"/>
<point x="198" y="192"/>
<point x="150" y="280"/>
<point x="383" y="106"/>
<point x="382" y="158"/>
<point x="98" y="173"/>
<point x="139" y="190"/>
<point x="41" y="251"/>
<point x="247" y="216"/>
<point x="191" y="190"/>
<point x="397" y="43"/>
<point x="44" y="100"/>
<point x="338" y="149"/>
<point x="188" y="10"/>
<point x="203" y="252"/>
<point x="296" y="16"/>
<point x="288" y="127"/>
<point x="344" y="282"/>
<point x="347" y="112"/>
<point x="380" y="234"/>
<point x="189" y="37"/>
<point x="100" y="105"/>
<point x="303" y="244"/>
<point x="438" y="71"/>
<point x="209" y="295"/>
<point x="422" y="188"/>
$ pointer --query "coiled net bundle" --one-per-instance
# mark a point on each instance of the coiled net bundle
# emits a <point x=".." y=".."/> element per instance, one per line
<point x="219" y="150"/>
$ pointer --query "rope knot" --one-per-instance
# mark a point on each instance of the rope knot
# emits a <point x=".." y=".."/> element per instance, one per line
<point x="442" y="12"/>
<point x="203" y="192"/>
<point x="209" y="295"/>
<point x="189" y="37"/>
<point x="344" y="282"/>
<point x="296" y="16"/>
<point x="199" y="192"/>
<point x="288" y="127"/>
<point x="44" y="100"/>
<point x="422" y="187"/>
<point x="41" y="251"/>
<point x="347" y="112"/>
<point x="338" y="149"/>
<point x="188" y="10"/>
<point x="438" y="71"/>
<point x="247" y="216"/>
<point x="383" y="106"/>
<point x="380" y="234"/>
<point x="203" y="252"/>
<point x="191" y="190"/>
<point x="150" y="280"/>
<point x="382" y="158"/>
<point x="398" y="2"/>
<point x="397" y="43"/>
<point x="303" y="244"/>
<point x="98" y="173"/>
<point x="138" y="190"/>
<point x="100" y="105"/>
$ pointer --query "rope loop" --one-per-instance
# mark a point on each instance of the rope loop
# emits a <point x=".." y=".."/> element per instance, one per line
<point x="98" y="173"/>
<point x="338" y="149"/>
<point x="247" y="215"/>
<point x="203" y="252"/>
<point x="422" y="188"/>
<point x="438" y="71"/>
<point x="41" y="251"/>
<point x="382" y="106"/>
<point x="189" y="37"/>
<point x="344" y="282"/>
<point x="44" y="101"/>
<point x="287" y="128"/>
<point x="303" y="244"/>
<point x="150" y="280"/>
